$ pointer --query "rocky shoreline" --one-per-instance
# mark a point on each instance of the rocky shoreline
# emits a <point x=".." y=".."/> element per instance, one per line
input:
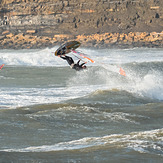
<point x="26" y="24"/>
<point x="106" y="40"/>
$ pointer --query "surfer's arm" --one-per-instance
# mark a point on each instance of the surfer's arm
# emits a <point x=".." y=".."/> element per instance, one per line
<point x="78" y="62"/>
<point x="82" y="64"/>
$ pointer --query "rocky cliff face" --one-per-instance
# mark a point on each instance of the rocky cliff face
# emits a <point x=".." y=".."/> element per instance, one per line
<point x="49" y="18"/>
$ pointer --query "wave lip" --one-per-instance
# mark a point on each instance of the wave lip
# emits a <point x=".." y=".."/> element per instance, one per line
<point x="114" y="97"/>
<point x="143" y="142"/>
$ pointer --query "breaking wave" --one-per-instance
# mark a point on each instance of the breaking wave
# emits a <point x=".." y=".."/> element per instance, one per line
<point x="143" y="142"/>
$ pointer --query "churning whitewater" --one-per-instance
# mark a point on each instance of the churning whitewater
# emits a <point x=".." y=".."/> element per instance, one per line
<point x="51" y="113"/>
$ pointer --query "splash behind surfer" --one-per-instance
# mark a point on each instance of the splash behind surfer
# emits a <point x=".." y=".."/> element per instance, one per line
<point x="70" y="61"/>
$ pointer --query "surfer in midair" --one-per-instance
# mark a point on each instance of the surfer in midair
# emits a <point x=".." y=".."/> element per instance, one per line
<point x="70" y="61"/>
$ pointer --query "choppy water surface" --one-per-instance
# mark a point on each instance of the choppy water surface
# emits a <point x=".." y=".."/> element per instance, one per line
<point x="51" y="113"/>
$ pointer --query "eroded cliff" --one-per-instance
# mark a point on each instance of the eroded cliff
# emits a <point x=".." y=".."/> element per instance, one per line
<point x="50" y="19"/>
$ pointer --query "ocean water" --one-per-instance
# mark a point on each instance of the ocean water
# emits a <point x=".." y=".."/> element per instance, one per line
<point x="50" y="113"/>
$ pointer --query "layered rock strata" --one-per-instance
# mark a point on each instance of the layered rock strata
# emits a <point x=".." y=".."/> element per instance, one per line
<point x="97" y="23"/>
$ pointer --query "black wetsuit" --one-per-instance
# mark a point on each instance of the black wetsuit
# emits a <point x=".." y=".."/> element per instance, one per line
<point x="70" y="61"/>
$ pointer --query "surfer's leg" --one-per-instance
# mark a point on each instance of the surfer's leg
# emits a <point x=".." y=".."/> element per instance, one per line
<point x="69" y="60"/>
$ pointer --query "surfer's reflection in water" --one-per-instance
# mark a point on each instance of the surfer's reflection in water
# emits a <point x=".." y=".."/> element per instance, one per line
<point x="70" y="61"/>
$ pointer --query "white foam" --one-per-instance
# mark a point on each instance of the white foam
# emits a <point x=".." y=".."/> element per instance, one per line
<point x="18" y="97"/>
<point x="143" y="142"/>
<point x="45" y="57"/>
<point x="151" y="86"/>
<point x="29" y="57"/>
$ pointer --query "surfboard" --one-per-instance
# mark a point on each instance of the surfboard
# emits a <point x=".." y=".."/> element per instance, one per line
<point x="67" y="48"/>
<point x="1" y="66"/>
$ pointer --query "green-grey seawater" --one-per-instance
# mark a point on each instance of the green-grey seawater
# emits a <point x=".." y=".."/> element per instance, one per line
<point x="51" y="113"/>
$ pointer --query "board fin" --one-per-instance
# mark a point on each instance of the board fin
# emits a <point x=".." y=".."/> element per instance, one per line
<point x="122" y="72"/>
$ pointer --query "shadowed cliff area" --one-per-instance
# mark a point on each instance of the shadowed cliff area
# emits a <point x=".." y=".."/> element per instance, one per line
<point x="57" y="21"/>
